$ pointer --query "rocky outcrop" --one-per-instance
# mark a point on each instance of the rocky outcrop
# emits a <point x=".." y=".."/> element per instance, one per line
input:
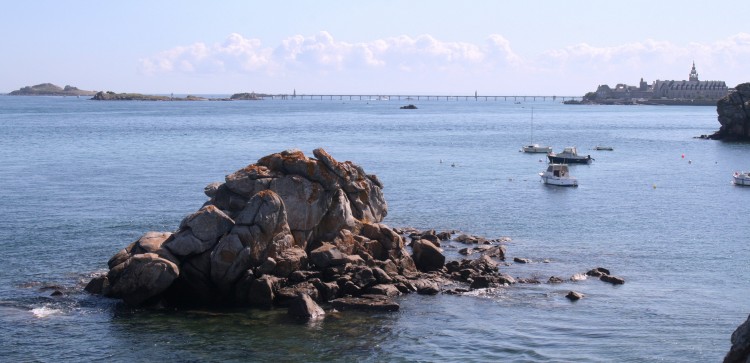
<point x="740" y="351"/>
<point x="734" y="115"/>
<point x="49" y="89"/>
<point x="296" y="231"/>
<point x="284" y="220"/>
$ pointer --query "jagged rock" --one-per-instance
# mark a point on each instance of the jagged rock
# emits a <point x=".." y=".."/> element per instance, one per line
<point x="521" y="260"/>
<point x="290" y="260"/>
<point x="285" y="295"/>
<point x="555" y="280"/>
<point x="327" y="255"/>
<point x="427" y="257"/>
<point x="740" y="350"/>
<point x="199" y="231"/>
<point x="495" y="251"/>
<point x="327" y="290"/>
<point x="384" y="289"/>
<point x="303" y="306"/>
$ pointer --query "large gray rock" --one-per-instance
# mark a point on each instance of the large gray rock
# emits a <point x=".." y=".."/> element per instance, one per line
<point x="261" y="221"/>
<point x="306" y="202"/>
<point x="141" y="277"/>
<point x="427" y="256"/>
<point x="740" y="351"/>
<point x="200" y="231"/>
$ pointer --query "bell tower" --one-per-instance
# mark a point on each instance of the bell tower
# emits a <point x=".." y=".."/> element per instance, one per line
<point x="693" y="73"/>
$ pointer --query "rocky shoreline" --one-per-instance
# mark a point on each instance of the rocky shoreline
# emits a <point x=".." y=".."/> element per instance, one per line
<point x="734" y="116"/>
<point x="305" y="234"/>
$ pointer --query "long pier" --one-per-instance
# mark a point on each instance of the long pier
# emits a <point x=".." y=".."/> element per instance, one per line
<point x="384" y="97"/>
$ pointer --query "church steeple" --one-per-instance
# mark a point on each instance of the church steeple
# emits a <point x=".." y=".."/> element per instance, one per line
<point x="693" y="73"/>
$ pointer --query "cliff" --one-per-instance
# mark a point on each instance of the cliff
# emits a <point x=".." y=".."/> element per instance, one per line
<point x="49" y="89"/>
<point x="734" y="115"/>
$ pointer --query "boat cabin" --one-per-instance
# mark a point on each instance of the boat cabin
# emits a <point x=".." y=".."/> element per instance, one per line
<point x="558" y="170"/>
<point x="570" y="150"/>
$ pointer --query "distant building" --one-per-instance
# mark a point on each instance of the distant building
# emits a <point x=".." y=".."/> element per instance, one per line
<point x="691" y="90"/>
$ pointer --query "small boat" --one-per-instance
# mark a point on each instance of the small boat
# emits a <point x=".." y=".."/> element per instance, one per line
<point x="741" y="178"/>
<point x="558" y="174"/>
<point x="569" y="155"/>
<point x="535" y="148"/>
<point x="599" y="147"/>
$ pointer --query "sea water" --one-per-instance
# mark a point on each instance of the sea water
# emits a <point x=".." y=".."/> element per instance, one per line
<point x="81" y="179"/>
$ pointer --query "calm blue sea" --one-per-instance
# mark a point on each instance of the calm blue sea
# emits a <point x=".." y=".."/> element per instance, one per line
<point x="80" y="180"/>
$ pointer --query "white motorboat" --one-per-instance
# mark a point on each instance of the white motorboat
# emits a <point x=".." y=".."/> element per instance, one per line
<point x="558" y="174"/>
<point x="535" y="148"/>
<point x="741" y="178"/>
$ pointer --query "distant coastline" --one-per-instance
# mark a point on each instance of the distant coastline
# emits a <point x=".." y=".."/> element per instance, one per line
<point x="692" y="92"/>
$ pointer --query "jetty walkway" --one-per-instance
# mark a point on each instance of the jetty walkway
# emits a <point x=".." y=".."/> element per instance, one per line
<point x="384" y="97"/>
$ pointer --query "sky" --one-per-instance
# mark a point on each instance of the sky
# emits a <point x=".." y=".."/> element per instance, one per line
<point x="432" y="47"/>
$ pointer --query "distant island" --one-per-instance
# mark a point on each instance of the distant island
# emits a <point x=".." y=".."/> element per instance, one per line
<point x="692" y="92"/>
<point x="112" y="96"/>
<point x="49" y="89"/>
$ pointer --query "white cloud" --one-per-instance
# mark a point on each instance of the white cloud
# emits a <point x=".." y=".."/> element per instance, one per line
<point x="406" y="62"/>
<point x="322" y="52"/>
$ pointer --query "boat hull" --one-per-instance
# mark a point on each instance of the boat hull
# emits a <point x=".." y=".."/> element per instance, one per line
<point x="561" y="182"/>
<point x="537" y="149"/>
<point x="742" y="179"/>
<point x="569" y="160"/>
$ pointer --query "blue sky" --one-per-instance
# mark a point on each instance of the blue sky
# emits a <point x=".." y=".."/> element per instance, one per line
<point x="377" y="47"/>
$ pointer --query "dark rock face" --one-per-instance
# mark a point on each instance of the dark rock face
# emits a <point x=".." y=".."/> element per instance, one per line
<point x="303" y="306"/>
<point x="734" y="115"/>
<point x="740" y="351"/>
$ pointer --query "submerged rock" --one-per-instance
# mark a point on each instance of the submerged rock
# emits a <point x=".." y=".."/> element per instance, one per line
<point x="366" y="302"/>
<point x="574" y="296"/>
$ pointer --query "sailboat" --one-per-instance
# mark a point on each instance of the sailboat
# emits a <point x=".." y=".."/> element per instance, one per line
<point x="535" y="148"/>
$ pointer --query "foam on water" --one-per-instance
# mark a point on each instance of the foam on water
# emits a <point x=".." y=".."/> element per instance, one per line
<point x="45" y="312"/>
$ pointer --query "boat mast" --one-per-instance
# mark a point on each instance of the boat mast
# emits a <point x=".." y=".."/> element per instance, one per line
<point x="532" y="126"/>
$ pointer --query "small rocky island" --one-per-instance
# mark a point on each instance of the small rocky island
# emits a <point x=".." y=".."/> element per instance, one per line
<point x="734" y="115"/>
<point x="298" y="232"/>
<point x="49" y="89"/>
<point x="112" y="96"/>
